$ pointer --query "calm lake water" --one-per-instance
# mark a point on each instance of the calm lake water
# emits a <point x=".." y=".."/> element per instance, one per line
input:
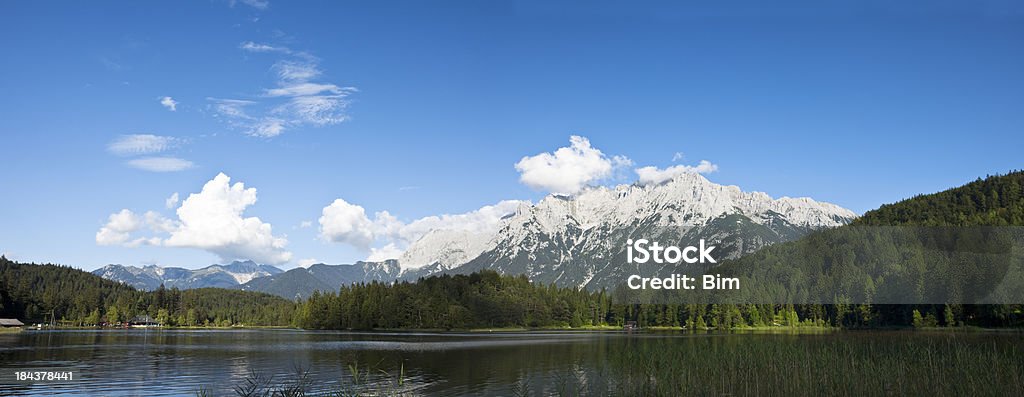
<point x="180" y="362"/>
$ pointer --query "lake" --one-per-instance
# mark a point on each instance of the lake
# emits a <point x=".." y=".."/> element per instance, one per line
<point x="158" y="362"/>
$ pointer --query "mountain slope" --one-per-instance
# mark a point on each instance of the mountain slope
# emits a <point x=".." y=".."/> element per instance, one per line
<point x="217" y="276"/>
<point x="299" y="283"/>
<point x="580" y="240"/>
<point x="930" y="249"/>
<point x="994" y="201"/>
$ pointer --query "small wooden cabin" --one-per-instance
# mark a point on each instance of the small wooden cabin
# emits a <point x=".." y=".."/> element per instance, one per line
<point x="10" y="323"/>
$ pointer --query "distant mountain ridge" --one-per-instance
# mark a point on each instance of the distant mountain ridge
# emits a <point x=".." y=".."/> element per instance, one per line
<point x="150" y="277"/>
<point x="299" y="283"/>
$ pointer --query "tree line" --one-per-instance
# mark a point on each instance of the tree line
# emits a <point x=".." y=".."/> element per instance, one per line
<point x="45" y="292"/>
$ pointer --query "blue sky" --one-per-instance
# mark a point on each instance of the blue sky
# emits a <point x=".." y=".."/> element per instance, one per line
<point x="425" y="108"/>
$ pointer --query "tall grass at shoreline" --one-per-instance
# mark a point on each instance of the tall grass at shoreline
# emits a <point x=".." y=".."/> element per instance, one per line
<point x="841" y="363"/>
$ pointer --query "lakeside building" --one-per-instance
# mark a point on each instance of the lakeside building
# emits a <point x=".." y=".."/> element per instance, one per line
<point x="143" y="321"/>
<point x="11" y="323"/>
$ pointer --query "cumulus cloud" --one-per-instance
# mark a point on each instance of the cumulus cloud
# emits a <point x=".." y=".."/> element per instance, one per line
<point x="211" y="220"/>
<point x="348" y="223"/>
<point x="160" y="164"/>
<point x="138" y="144"/>
<point x="308" y="262"/>
<point x="169" y="103"/>
<point x="118" y="229"/>
<point x="568" y="169"/>
<point x="121" y="226"/>
<point x="342" y="222"/>
<point x="483" y="220"/>
<point x="653" y="175"/>
<point x="389" y="251"/>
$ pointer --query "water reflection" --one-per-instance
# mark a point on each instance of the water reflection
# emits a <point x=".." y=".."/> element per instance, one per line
<point x="179" y="362"/>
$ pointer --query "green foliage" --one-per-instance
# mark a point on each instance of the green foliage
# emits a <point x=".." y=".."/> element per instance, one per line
<point x="994" y="201"/>
<point x="33" y="292"/>
<point x="479" y="300"/>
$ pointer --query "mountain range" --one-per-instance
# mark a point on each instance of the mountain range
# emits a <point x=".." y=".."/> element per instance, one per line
<point x="574" y="240"/>
<point x="150" y="277"/>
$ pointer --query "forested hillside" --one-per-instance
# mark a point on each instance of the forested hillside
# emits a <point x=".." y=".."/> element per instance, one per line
<point x="478" y="300"/>
<point x="32" y="292"/>
<point x="994" y="201"/>
<point x="932" y="248"/>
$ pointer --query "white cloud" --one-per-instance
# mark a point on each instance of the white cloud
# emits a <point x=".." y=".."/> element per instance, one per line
<point x="172" y="201"/>
<point x="568" y="169"/>
<point x="210" y="220"/>
<point x="169" y="103"/>
<point x="303" y="89"/>
<point x="121" y="225"/>
<point x="483" y="220"/>
<point x="678" y="156"/>
<point x="305" y="224"/>
<point x="653" y="175"/>
<point x="342" y="222"/>
<point x="268" y="127"/>
<point x="384" y="253"/>
<point x="319" y="109"/>
<point x="161" y="164"/>
<point x="232" y="108"/>
<point x="257" y="4"/>
<point x="308" y="262"/>
<point x="296" y="100"/>
<point x="347" y="223"/>
<point x="259" y="47"/>
<point x="296" y="71"/>
<point x="137" y="144"/>
<point x="118" y="229"/>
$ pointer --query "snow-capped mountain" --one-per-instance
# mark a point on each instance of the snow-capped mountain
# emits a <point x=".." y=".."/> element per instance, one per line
<point x="151" y="276"/>
<point x="445" y="248"/>
<point x="581" y="240"/>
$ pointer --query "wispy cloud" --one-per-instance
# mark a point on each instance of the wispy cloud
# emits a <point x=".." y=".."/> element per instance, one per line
<point x="169" y="103"/>
<point x="257" y="4"/>
<point x="161" y="164"/>
<point x="259" y="47"/>
<point x="172" y="201"/>
<point x="138" y="144"/>
<point x="233" y="108"/>
<point x="297" y="98"/>
<point x="268" y="127"/>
